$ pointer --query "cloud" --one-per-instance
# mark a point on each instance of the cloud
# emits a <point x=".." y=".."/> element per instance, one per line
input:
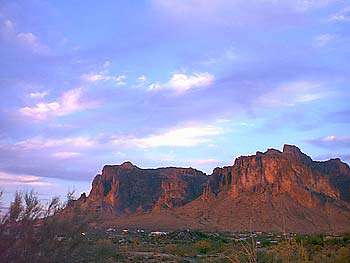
<point x="142" y="78"/>
<point x="331" y="142"/>
<point x="33" y="42"/>
<point x="69" y="102"/>
<point x="104" y="76"/>
<point x="119" y="80"/>
<point x="106" y="64"/>
<point x="305" y="5"/>
<point x="292" y="93"/>
<point x="9" y="25"/>
<point x="65" y="155"/>
<point x="21" y="180"/>
<point x="38" y="95"/>
<point x="26" y="39"/>
<point x="341" y="16"/>
<point x="96" y="77"/>
<point x="323" y="39"/>
<point x="213" y="8"/>
<point x="188" y="136"/>
<point x="228" y="55"/>
<point x="41" y="143"/>
<point x="205" y="161"/>
<point x="180" y="82"/>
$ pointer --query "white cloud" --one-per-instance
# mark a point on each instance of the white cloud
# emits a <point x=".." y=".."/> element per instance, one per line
<point x="33" y="42"/>
<point x="292" y="93"/>
<point x="183" y="82"/>
<point x="95" y="77"/>
<point x="38" y="95"/>
<point x="9" y="25"/>
<point x="180" y="82"/>
<point x="205" y="161"/>
<point x="41" y="143"/>
<point x="331" y="141"/>
<point x="26" y="39"/>
<point x="104" y="75"/>
<point x="228" y="55"/>
<point x="41" y="110"/>
<point x="341" y="16"/>
<point x="106" y="64"/>
<point x="213" y="8"/>
<point x="119" y="80"/>
<point x="323" y="39"/>
<point x="154" y="86"/>
<point x="141" y="81"/>
<point x="142" y="78"/>
<point x="187" y="136"/>
<point x="333" y="138"/>
<point x="305" y="5"/>
<point x="69" y="102"/>
<point x="22" y="180"/>
<point x="65" y="155"/>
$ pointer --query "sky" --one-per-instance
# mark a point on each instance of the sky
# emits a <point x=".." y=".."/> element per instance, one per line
<point x="193" y="83"/>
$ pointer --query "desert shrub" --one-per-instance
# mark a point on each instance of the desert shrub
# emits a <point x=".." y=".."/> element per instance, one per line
<point x="315" y="240"/>
<point x="289" y="251"/>
<point x="182" y="250"/>
<point x="246" y="252"/>
<point x="203" y="246"/>
<point x="105" y="249"/>
<point x="343" y="255"/>
<point x="171" y="249"/>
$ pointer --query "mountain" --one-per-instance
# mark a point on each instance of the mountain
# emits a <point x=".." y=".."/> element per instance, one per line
<point x="270" y="191"/>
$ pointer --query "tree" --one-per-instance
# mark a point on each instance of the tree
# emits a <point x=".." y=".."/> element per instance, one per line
<point x="33" y="209"/>
<point x="16" y="208"/>
<point x="53" y="207"/>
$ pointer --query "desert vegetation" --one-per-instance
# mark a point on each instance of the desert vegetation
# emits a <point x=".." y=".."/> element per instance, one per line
<point x="31" y="231"/>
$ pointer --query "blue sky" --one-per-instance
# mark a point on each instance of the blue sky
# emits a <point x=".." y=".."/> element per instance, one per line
<point x="167" y="83"/>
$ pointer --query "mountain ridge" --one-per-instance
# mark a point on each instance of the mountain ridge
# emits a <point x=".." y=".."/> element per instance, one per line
<point x="263" y="189"/>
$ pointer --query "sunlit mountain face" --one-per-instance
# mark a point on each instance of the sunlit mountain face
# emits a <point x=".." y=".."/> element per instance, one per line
<point x="191" y="83"/>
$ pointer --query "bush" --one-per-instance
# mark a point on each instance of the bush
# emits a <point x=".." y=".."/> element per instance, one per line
<point x="343" y="255"/>
<point x="203" y="246"/>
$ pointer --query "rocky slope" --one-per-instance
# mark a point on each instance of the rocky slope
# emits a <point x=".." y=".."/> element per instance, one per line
<point x="280" y="191"/>
<point x="127" y="189"/>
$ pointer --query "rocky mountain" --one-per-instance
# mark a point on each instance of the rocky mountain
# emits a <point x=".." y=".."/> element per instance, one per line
<point x="127" y="189"/>
<point x="270" y="191"/>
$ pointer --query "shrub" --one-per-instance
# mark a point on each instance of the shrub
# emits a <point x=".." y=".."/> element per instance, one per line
<point x="202" y="246"/>
<point x="343" y="255"/>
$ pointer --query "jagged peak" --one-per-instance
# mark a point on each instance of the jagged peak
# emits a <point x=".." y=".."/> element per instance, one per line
<point x="294" y="152"/>
<point x="288" y="148"/>
<point x="335" y="160"/>
<point x="127" y="165"/>
<point x="272" y="151"/>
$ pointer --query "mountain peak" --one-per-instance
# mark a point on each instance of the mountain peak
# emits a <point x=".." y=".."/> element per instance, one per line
<point x="270" y="183"/>
<point x="127" y="165"/>
<point x="292" y="149"/>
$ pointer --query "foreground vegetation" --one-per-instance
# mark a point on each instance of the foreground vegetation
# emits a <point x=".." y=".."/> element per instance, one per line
<point x="33" y="232"/>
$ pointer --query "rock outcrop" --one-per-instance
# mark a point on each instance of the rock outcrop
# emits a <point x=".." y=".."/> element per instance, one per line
<point x="127" y="189"/>
<point x="280" y="191"/>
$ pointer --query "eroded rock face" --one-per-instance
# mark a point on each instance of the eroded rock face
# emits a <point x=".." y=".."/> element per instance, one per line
<point x="268" y="185"/>
<point x="289" y="171"/>
<point x="128" y="189"/>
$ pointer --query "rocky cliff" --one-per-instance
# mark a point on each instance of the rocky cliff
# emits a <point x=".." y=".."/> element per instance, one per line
<point x="127" y="189"/>
<point x="281" y="191"/>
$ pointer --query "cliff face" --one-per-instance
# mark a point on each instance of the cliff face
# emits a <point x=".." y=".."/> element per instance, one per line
<point x="289" y="172"/>
<point x="264" y="189"/>
<point x="127" y="189"/>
